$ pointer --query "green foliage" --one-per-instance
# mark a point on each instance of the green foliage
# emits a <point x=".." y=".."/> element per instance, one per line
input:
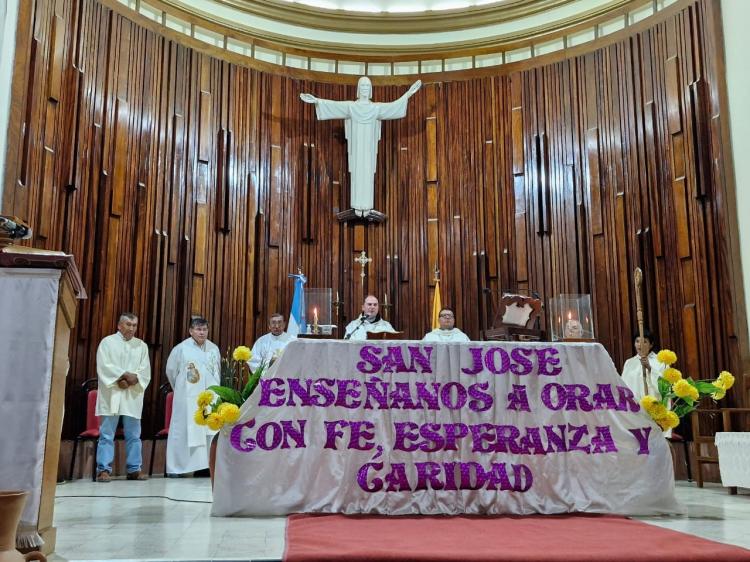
<point x="227" y="394"/>
<point x="705" y="387"/>
<point x="252" y="383"/>
<point x="664" y="390"/>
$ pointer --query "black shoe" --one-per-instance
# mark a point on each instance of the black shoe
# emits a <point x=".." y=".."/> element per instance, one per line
<point x="205" y="473"/>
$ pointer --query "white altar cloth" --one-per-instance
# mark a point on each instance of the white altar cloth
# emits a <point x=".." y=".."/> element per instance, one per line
<point x="405" y="427"/>
<point x="734" y="458"/>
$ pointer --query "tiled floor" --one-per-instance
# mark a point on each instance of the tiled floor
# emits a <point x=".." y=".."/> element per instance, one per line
<point x="169" y="520"/>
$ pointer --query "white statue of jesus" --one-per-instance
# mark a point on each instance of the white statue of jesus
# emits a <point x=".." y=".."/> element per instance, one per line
<point x="362" y="127"/>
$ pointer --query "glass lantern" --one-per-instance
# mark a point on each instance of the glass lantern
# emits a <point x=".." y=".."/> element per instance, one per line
<point x="571" y="318"/>
<point x="318" y="311"/>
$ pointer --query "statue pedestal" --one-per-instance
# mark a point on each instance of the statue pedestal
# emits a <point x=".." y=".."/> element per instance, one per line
<point x="351" y="215"/>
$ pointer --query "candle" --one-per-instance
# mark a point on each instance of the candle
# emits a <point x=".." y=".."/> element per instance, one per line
<point x="315" y="316"/>
<point x="570" y="315"/>
<point x="337" y="296"/>
<point x="385" y="300"/>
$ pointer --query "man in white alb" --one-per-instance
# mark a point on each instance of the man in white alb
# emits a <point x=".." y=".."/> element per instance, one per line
<point x="269" y="346"/>
<point x="124" y="371"/>
<point x="193" y="366"/>
<point x="447" y="332"/>
<point x="368" y="321"/>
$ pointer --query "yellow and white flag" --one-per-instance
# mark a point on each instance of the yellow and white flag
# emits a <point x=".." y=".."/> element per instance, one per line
<point x="436" y="306"/>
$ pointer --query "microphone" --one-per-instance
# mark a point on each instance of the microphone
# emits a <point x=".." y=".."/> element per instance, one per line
<point x="362" y="318"/>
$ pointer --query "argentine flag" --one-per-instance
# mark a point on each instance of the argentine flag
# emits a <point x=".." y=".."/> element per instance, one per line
<point x="297" y="323"/>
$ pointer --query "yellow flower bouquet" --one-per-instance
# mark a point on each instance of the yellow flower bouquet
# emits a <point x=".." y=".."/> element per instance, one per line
<point x="219" y="405"/>
<point x="680" y="396"/>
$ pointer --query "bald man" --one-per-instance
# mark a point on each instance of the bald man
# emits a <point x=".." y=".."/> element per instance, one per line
<point x="368" y="321"/>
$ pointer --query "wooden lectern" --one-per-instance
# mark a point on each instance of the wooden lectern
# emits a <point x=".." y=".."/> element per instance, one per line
<point x="385" y="335"/>
<point x="45" y="286"/>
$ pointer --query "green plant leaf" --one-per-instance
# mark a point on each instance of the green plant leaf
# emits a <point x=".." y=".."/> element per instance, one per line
<point x="227" y="394"/>
<point x="664" y="387"/>
<point x="705" y="387"/>
<point x="252" y="383"/>
<point x="683" y="409"/>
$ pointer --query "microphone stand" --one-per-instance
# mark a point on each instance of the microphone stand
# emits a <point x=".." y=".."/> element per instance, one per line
<point x="362" y="319"/>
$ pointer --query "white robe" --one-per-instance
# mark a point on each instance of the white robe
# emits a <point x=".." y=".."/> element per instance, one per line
<point x="632" y="376"/>
<point x="362" y="130"/>
<point x="266" y="346"/>
<point x="116" y="356"/>
<point x="446" y="336"/>
<point x="359" y="332"/>
<point x="188" y="443"/>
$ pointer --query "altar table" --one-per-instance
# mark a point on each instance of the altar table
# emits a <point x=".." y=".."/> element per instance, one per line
<point x="404" y="427"/>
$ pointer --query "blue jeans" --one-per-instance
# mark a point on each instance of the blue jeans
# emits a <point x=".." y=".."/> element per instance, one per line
<point x="105" y="451"/>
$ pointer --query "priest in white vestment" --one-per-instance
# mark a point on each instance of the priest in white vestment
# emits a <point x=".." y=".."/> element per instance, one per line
<point x="362" y="129"/>
<point x="447" y="332"/>
<point x="269" y="346"/>
<point x="193" y="366"/>
<point x="368" y="321"/>
<point x="123" y="369"/>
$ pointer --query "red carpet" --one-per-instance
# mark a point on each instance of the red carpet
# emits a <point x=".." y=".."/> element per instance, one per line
<point x="591" y="538"/>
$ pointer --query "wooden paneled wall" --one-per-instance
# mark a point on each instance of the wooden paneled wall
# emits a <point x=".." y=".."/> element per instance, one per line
<point x="184" y="184"/>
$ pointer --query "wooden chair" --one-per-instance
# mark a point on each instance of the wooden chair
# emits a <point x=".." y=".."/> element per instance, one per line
<point x="708" y="439"/>
<point x="91" y="432"/>
<point x="165" y="390"/>
<point x="516" y="318"/>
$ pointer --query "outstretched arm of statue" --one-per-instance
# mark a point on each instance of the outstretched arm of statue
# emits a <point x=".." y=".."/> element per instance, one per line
<point x="308" y="98"/>
<point x="414" y="88"/>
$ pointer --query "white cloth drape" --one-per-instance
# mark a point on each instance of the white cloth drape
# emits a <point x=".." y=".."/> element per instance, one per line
<point x="734" y="457"/>
<point x="268" y="472"/>
<point x="28" y="307"/>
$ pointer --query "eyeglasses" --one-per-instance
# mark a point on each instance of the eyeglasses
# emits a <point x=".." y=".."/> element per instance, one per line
<point x="446" y="316"/>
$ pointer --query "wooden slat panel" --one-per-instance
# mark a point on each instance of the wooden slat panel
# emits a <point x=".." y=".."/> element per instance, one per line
<point x="678" y="156"/>
<point x="682" y="223"/>
<point x="690" y="342"/>
<point x="201" y="238"/>
<point x="56" y="59"/>
<point x="699" y="93"/>
<point x="205" y="132"/>
<point x="47" y="192"/>
<point x="517" y="139"/>
<point x="119" y="167"/>
<point x="592" y="156"/>
<point x="274" y="192"/>
<point x="674" y="113"/>
<point x="431" y="145"/>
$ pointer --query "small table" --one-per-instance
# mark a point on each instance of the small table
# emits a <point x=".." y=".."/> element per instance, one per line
<point x="734" y="458"/>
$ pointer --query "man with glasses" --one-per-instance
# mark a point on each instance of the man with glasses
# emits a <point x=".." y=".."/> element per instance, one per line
<point x="447" y="332"/>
